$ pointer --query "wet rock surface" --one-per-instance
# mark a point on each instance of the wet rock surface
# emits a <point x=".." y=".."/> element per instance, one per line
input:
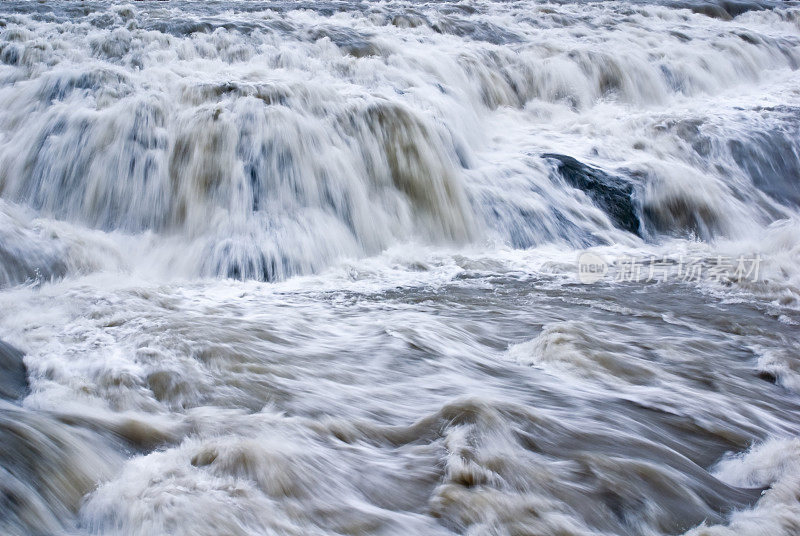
<point x="613" y="194"/>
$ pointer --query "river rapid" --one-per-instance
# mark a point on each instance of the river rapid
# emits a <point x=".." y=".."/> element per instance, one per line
<point x="319" y="268"/>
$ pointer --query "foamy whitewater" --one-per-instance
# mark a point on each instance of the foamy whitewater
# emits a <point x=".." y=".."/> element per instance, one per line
<point x="312" y="268"/>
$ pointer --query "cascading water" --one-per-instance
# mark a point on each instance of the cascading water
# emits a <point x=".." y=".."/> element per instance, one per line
<point x="309" y="267"/>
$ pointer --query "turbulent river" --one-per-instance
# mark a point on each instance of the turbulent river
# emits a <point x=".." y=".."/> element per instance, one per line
<point x="400" y="268"/>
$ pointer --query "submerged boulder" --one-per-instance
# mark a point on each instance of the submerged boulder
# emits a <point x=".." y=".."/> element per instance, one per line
<point x="13" y="374"/>
<point x="612" y="194"/>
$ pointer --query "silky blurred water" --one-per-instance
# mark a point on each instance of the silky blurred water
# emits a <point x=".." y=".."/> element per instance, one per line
<point x="312" y="268"/>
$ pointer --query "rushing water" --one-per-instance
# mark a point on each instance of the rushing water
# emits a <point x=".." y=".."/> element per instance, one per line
<point x="311" y="268"/>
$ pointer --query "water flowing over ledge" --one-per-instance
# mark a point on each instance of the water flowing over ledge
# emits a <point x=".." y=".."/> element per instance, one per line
<point x="309" y="267"/>
<point x="271" y="142"/>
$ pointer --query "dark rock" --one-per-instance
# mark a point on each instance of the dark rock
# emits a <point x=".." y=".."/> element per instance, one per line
<point x="613" y="194"/>
<point x="767" y="376"/>
<point x="13" y="374"/>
